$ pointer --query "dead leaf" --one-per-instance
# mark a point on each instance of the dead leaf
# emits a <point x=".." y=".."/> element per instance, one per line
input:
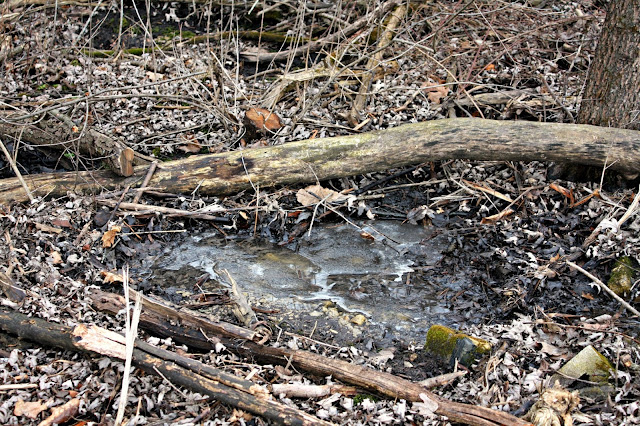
<point x="189" y="143"/>
<point x="383" y="356"/>
<point x="435" y="91"/>
<point x="315" y="193"/>
<point x="548" y="349"/>
<point x="154" y="76"/>
<point x="110" y="277"/>
<point x="10" y="289"/>
<point x="56" y="258"/>
<point x="238" y="415"/>
<point x="263" y="119"/>
<point x="367" y="236"/>
<point x="192" y="147"/>
<point x="110" y="236"/>
<point x="62" y="413"/>
<point x="63" y="223"/>
<point x="29" y="409"/>
<point x="496" y="217"/>
<point x="46" y="228"/>
<point x="427" y="407"/>
<point x="419" y="213"/>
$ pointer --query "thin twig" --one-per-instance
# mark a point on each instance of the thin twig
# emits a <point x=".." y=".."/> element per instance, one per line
<point x="147" y="178"/>
<point x="318" y="44"/>
<point x="14" y="166"/>
<point x="605" y="288"/>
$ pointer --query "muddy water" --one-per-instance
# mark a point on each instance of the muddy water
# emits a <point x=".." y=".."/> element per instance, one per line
<point x="379" y="278"/>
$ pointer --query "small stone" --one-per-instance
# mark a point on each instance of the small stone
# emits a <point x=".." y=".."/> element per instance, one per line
<point x="588" y="362"/>
<point x="359" y="319"/>
<point x="333" y="312"/>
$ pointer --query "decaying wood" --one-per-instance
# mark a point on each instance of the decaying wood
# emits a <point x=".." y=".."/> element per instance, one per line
<point x="166" y="320"/>
<point x="179" y="370"/>
<point x="313" y="159"/>
<point x="442" y="379"/>
<point x="300" y="390"/>
<point x="363" y="377"/>
<point x="54" y="135"/>
<point x="145" y="182"/>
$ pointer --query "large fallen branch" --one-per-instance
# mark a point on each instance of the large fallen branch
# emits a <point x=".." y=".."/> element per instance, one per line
<point x="367" y="378"/>
<point x="309" y="160"/>
<point x="178" y="370"/>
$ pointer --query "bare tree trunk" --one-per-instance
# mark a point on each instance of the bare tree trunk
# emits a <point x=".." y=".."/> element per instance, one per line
<point x="612" y="94"/>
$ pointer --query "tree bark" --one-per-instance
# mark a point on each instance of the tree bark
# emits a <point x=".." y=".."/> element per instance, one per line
<point x="612" y="94"/>
<point x="169" y="321"/>
<point x="320" y="159"/>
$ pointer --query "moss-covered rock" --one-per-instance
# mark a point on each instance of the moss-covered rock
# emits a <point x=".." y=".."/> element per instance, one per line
<point x="449" y="344"/>
<point x="621" y="278"/>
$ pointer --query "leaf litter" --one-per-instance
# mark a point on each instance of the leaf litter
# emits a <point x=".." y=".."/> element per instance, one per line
<point x="511" y="224"/>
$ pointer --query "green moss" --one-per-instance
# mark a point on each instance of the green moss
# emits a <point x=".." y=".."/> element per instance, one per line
<point x="108" y="53"/>
<point x="359" y="398"/>
<point x="171" y="33"/>
<point x="621" y="278"/>
<point x="75" y="63"/>
<point x="136" y="30"/>
<point x="442" y="341"/>
<point x="42" y="86"/>
<point x="168" y="32"/>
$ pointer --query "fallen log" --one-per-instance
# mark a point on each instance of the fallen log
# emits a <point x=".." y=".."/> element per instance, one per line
<point x="168" y="320"/>
<point x="181" y="371"/>
<point x="367" y="378"/>
<point x="320" y="159"/>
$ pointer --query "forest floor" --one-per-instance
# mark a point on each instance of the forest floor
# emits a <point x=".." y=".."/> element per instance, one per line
<point x="170" y="92"/>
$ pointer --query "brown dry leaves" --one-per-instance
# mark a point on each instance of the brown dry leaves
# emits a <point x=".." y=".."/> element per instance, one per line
<point x="109" y="237"/>
<point x="315" y="194"/>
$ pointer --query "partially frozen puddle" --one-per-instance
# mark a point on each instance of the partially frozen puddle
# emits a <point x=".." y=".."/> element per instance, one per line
<point x="336" y="263"/>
